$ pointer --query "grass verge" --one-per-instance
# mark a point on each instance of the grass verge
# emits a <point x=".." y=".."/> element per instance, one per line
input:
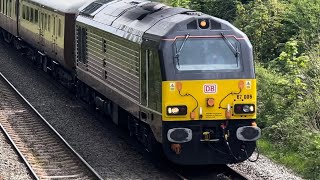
<point x="293" y="160"/>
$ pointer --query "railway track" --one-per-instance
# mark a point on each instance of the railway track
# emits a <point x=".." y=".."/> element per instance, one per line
<point x="213" y="172"/>
<point x="44" y="151"/>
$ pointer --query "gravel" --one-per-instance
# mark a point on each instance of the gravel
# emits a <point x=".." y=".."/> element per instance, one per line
<point x="10" y="165"/>
<point x="265" y="169"/>
<point x="108" y="149"/>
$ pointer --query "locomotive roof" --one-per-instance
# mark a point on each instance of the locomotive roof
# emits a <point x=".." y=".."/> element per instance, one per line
<point x="66" y="6"/>
<point x="133" y="19"/>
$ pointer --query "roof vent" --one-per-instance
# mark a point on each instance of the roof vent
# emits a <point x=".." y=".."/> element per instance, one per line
<point x="91" y="8"/>
<point x="134" y="3"/>
<point x="152" y="7"/>
<point x="193" y="13"/>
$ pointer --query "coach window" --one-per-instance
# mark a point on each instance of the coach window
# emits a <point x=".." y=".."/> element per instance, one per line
<point x="42" y="21"/>
<point x="10" y="8"/>
<point x="36" y="14"/>
<point x="31" y="15"/>
<point x="49" y="24"/>
<point x="23" y="16"/>
<point x="28" y="13"/>
<point x="59" y="28"/>
<point x="6" y="6"/>
<point x="45" y="21"/>
<point x="54" y="25"/>
<point x="1" y="6"/>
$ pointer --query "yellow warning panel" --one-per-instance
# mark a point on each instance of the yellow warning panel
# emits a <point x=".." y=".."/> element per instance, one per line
<point x="209" y="99"/>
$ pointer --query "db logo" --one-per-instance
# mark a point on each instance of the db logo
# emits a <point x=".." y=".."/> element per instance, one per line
<point x="210" y="88"/>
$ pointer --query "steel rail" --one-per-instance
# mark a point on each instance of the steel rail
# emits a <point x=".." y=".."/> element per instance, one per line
<point x="32" y="170"/>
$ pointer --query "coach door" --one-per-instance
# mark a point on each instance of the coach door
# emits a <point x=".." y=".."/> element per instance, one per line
<point x="41" y="30"/>
<point x="54" y="34"/>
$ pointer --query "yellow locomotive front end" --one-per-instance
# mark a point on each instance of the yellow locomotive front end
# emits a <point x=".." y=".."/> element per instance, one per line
<point x="209" y="121"/>
<point x="209" y="94"/>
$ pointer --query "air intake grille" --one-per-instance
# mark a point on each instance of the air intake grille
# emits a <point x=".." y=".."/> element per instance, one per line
<point x="91" y="8"/>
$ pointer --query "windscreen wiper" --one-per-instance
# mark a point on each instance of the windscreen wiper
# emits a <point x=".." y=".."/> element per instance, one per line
<point x="232" y="48"/>
<point x="179" y="51"/>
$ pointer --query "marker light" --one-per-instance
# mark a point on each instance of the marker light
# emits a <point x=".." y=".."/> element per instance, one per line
<point x="241" y="84"/>
<point x="179" y="86"/>
<point x="203" y="23"/>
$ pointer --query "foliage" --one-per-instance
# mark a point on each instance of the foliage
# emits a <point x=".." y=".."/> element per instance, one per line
<point x="286" y="39"/>
<point x="177" y="3"/>
<point x="302" y="20"/>
<point x="288" y="62"/>
<point x="225" y="9"/>
<point x="262" y="21"/>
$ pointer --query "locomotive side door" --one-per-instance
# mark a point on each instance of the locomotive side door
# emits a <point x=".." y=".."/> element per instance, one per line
<point x="144" y="77"/>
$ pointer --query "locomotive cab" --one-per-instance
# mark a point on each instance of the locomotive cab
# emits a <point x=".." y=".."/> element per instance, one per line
<point x="209" y="94"/>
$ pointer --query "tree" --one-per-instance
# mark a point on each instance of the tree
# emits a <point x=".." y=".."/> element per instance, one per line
<point x="262" y="22"/>
<point x="224" y="9"/>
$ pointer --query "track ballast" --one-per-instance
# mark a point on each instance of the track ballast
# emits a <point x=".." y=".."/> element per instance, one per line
<point x="45" y="152"/>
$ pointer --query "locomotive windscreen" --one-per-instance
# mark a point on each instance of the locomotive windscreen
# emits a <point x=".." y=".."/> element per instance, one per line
<point x="194" y="54"/>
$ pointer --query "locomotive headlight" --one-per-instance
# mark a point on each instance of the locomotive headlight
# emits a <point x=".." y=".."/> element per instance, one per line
<point x="177" y="110"/>
<point x="244" y="108"/>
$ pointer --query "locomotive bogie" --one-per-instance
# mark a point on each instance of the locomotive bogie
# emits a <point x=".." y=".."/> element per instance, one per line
<point x="118" y="69"/>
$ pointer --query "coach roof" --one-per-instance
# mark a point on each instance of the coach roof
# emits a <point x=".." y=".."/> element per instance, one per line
<point x="65" y="6"/>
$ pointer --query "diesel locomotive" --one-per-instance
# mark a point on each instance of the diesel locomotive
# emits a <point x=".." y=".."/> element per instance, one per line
<point x="174" y="77"/>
